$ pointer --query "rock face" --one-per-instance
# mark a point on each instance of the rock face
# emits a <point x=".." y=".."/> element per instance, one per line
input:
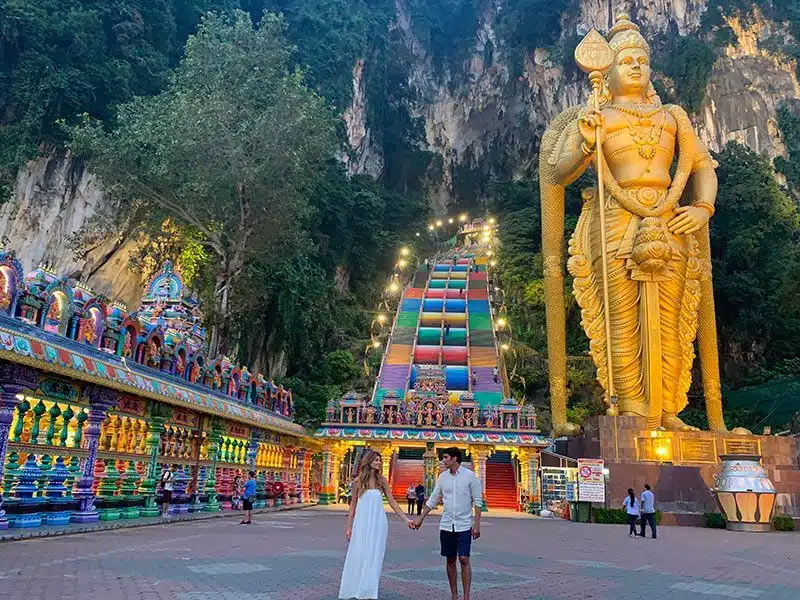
<point x="53" y="199"/>
<point x="479" y="117"/>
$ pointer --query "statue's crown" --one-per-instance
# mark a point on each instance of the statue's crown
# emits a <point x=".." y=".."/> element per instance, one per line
<point x="625" y="35"/>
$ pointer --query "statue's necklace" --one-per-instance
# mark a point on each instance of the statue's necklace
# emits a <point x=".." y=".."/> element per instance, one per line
<point x="648" y="140"/>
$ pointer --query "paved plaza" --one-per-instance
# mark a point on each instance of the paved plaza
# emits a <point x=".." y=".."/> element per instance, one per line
<point x="299" y="555"/>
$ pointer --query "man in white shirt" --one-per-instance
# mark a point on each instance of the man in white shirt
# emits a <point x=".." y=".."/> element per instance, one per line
<point x="648" y="501"/>
<point x="460" y="493"/>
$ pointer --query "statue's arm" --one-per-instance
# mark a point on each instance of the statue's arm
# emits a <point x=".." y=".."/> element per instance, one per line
<point x="571" y="156"/>
<point x="704" y="186"/>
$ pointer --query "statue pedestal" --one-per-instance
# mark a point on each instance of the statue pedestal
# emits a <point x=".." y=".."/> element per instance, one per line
<point x="680" y="466"/>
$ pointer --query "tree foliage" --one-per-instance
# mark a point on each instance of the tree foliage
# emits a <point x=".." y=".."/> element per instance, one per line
<point x="62" y="58"/>
<point x="229" y="149"/>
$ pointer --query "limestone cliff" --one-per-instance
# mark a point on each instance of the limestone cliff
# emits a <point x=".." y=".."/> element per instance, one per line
<point x="482" y="117"/>
<point x="54" y="198"/>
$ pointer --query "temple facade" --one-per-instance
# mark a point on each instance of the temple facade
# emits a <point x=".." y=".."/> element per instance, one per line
<point x="96" y="401"/>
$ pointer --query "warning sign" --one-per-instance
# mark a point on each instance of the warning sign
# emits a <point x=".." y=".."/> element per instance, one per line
<point x="591" y="481"/>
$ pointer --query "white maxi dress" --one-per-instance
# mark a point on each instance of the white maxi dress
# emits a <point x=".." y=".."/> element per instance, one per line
<point x="362" y="567"/>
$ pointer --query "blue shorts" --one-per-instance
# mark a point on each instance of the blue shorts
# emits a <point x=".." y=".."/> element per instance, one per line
<point x="455" y="543"/>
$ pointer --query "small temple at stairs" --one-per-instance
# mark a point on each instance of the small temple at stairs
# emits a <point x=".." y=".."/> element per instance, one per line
<point x="442" y="383"/>
<point x="96" y="400"/>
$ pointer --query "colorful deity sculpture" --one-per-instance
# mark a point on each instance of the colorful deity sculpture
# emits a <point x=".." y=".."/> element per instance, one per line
<point x="640" y="259"/>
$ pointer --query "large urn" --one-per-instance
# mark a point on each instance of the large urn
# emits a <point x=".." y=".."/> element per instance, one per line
<point x="745" y="493"/>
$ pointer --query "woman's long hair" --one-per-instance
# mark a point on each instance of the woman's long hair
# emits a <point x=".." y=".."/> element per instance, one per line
<point x="366" y="475"/>
<point x="632" y="495"/>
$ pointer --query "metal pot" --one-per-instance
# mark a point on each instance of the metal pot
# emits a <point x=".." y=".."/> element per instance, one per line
<point x="745" y="493"/>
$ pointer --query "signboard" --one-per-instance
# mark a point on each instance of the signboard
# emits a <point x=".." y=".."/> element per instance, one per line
<point x="591" y="482"/>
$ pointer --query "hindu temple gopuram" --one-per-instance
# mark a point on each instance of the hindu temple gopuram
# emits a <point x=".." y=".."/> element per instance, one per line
<point x="442" y="383"/>
<point x="96" y="400"/>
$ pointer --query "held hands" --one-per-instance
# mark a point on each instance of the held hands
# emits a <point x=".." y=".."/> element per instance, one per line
<point x="587" y="126"/>
<point x="415" y="523"/>
<point x="688" y="219"/>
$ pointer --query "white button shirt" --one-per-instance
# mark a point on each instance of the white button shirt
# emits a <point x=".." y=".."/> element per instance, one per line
<point x="458" y="494"/>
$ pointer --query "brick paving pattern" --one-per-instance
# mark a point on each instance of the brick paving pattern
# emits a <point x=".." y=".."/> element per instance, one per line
<point x="299" y="555"/>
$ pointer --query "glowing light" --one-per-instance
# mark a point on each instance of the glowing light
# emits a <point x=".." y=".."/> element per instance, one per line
<point x="417" y="234"/>
<point x="393" y="287"/>
<point x="431" y="227"/>
<point x="501" y="322"/>
<point x="493" y="263"/>
<point x="462" y="218"/>
<point x="403" y="251"/>
<point x="382" y="318"/>
<point x="450" y="220"/>
<point x="492" y="221"/>
<point x="438" y="223"/>
<point x="402" y="263"/>
<point x="486" y="228"/>
<point x="504" y="347"/>
<point x="376" y="344"/>
<point x="489" y="253"/>
<point x="662" y="451"/>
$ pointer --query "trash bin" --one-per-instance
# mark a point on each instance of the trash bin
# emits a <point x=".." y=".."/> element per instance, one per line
<point x="580" y="512"/>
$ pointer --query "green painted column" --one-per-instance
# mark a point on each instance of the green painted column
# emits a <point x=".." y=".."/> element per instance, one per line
<point x="157" y="416"/>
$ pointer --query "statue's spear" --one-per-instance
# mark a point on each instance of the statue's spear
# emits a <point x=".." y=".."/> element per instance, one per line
<point x="595" y="57"/>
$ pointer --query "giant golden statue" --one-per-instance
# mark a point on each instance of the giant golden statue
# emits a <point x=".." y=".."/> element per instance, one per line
<point x="648" y="288"/>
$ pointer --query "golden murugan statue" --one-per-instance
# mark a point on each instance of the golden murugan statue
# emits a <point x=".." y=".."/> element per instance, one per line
<point x="657" y="270"/>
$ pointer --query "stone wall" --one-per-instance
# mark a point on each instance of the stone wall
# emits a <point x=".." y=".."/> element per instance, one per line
<point x="681" y="486"/>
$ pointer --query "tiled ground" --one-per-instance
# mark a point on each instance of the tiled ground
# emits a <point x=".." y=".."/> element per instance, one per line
<point x="299" y="555"/>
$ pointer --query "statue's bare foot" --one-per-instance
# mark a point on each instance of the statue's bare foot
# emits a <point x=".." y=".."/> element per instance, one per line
<point x="568" y="429"/>
<point x="671" y="422"/>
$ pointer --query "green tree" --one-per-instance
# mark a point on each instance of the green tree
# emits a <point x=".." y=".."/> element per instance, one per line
<point x="754" y="235"/>
<point x="229" y="149"/>
<point x="61" y="58"/>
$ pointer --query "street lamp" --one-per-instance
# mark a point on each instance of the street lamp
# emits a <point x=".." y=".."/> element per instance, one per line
<point x="431" y="227"/>
<point x="439" y="223"/>
<point x="462" y="217"/>
<point x="501" y="322"/>
<point x="382" y="318"/>
<point x="376" y="344"/>
<point x="403" y="251"/>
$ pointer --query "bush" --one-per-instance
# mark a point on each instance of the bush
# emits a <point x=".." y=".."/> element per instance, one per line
<point x="615" y="516"/>
<point x="714" y="520"/>
<point x="783" y="523"/>
<point x="610" y="516"/>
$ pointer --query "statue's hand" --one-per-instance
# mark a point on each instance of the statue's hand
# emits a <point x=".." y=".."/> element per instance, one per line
<point x="688" y="219"/>
<point x="588" y="124"/>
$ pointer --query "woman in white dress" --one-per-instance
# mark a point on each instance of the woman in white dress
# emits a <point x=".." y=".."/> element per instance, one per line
<point x="367" y="529"/>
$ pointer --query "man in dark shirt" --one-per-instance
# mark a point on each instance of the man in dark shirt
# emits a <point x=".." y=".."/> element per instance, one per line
<point x="420" y="491"/>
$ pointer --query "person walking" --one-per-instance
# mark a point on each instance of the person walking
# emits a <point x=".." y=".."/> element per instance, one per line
<point x="166" y="490"/>
<point x="496" y="375"/>
<point x="248" y="497"/>
<point x="648" y="510"/>
<point x="460" y="493"/>
<point x="411" y="498"/>
<point x="367" y="530"/>
<point x="420" y="492"/>
<point x="631" y="506"/>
